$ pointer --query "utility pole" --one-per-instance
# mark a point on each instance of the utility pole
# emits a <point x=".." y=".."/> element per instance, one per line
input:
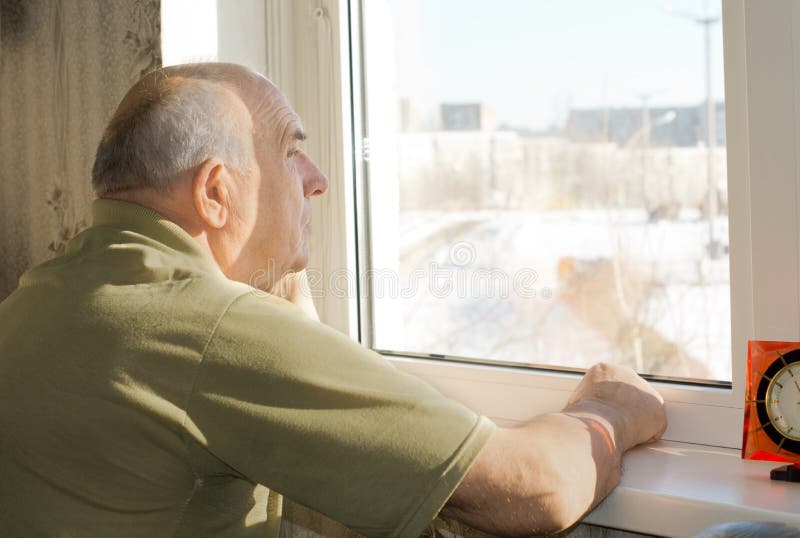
<point x="645" y="97"/>
<point x="714" y="246"/>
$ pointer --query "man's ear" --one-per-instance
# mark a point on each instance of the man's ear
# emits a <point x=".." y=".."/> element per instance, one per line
<point x="211" y="192"/>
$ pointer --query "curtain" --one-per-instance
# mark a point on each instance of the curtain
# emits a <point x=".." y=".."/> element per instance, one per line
<point x="64" y="67"/>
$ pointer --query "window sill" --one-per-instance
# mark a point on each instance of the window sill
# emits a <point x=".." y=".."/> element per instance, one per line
<point x="679" y="489"/>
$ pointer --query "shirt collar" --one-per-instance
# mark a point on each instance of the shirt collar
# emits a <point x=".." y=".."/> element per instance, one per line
<point x="133" y="217"/>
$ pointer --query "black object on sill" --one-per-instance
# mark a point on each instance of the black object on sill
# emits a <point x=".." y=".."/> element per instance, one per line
<point x="789" y="473"/>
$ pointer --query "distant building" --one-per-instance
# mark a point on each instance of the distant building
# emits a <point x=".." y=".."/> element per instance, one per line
<point x="466" y="117"/>
<point x="670" y="126"/>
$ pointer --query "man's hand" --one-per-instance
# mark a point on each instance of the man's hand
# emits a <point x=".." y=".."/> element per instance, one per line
<point x="621" y="396"/>
<point x="294" y="288"/>
<point x="545" y="475"/>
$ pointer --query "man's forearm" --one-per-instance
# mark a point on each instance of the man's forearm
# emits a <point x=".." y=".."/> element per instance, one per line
<point x="544" y="476"/>
<point x="555" y="469"/>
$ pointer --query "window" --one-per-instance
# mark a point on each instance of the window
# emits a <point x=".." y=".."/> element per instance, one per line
<point x="761" y="197"/>
<point x="548" y="183"/>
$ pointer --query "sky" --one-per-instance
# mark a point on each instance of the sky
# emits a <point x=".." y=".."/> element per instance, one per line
<point x="531" y="60"/>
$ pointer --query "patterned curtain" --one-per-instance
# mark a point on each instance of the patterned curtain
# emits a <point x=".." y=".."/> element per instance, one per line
<point x="64" y="67"/>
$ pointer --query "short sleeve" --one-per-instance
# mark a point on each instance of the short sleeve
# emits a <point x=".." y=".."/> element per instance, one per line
<point x="302" y="409"/>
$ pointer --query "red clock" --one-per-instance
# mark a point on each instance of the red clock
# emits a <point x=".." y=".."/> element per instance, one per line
<point x="772" y="406"/>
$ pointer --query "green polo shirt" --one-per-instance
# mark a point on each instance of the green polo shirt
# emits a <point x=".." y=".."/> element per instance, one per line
<point x="142" y="393"/>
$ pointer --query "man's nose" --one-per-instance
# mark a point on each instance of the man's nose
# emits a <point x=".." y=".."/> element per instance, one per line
<point x="314" y="181"/>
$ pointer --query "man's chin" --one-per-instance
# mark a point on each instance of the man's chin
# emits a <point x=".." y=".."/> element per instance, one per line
<point x="301" y="262"/>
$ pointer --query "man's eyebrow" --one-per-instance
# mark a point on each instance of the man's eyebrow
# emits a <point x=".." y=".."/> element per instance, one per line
<point x="291" y="134"/>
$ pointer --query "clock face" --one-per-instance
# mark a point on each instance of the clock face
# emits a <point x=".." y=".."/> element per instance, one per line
<point x="778" y="399"/>
<point x="783" y="401"/>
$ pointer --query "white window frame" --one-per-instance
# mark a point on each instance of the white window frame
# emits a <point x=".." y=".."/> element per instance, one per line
<point x="309" y="56"/>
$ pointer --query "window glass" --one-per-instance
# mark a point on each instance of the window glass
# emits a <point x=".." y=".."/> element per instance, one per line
<point x="547" y="182"/>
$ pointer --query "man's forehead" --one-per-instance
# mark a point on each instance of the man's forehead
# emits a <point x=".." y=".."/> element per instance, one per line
<point x="284" y="125"/>
<point x="272" y="115"/>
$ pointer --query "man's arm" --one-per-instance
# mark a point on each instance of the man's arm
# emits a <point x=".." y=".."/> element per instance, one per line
<point x="544" y="476"/>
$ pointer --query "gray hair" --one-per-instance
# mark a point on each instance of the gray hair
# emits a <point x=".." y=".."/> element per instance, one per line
<point x="170" y="122"/>
<point x="745" y="529"/>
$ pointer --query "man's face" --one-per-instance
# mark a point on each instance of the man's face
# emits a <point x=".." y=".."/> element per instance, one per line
<point x="286" y="179"/>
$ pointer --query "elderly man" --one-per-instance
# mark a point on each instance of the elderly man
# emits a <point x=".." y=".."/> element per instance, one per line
<point x="146" y="389"/>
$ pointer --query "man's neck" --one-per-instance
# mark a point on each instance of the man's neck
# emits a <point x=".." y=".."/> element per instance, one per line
<point x="165" y="204"/>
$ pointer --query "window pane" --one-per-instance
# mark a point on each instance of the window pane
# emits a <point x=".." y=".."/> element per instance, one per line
<point x="544" y="185"/>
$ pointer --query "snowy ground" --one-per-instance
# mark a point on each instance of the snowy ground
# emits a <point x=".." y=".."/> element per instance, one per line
<point x="486" y="285"/>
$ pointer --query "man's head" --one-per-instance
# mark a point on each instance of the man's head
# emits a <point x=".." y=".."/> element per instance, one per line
<point x="215" y="147"/>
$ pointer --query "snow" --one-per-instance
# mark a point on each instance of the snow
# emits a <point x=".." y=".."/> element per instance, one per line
<point x="462" y="300"/>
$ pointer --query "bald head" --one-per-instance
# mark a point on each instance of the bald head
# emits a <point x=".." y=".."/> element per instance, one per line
<point x="176" y="118"/>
